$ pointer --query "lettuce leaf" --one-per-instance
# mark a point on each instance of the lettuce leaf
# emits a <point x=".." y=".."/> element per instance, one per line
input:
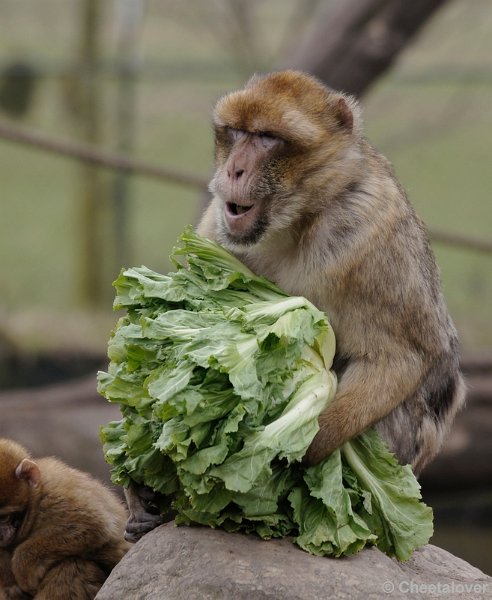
<point x="221" y="377"/>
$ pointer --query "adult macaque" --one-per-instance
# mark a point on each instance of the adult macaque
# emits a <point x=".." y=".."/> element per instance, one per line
<point x="303" y="199"/>
<point x="61" y="531"/>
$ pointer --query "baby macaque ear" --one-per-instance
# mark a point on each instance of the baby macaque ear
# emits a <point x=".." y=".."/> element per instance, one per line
<point x="28" y="470"/>
<point x="344" y="114"/>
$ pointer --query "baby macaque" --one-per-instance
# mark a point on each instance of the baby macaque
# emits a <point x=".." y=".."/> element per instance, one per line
<point x="61" y="531"/>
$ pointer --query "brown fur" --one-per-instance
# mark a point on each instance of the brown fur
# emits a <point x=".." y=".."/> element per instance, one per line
<point x="330" y="222"/>
<point x="61" y="531"/>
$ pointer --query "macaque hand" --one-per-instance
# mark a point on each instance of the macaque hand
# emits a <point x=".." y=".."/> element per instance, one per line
<point x="144" y="517"/>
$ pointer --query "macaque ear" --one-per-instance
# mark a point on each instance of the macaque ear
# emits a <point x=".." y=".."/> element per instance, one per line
<point x="344" y="114"/>
<point x="29" y="471"/>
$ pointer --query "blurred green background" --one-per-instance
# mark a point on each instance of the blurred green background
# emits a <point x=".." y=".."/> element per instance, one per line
<point x="431" y="115"/>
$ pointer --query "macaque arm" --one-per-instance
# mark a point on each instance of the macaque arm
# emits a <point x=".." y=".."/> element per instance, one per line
<point x="50" y="544"/>
<point x="72" y="578"/>
<point x="368" y="391"/>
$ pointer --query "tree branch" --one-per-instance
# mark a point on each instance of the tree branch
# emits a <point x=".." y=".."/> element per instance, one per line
<point x="353" y="44"/>
<point x="92" y="155"/>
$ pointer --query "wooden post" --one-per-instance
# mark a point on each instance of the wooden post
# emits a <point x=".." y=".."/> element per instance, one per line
<point x="129" y="20"/>
<point x="91" y="267"/>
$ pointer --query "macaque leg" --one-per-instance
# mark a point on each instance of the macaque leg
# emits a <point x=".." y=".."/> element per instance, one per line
<point x="72" y="579"/>
<point x="143" y="515"/>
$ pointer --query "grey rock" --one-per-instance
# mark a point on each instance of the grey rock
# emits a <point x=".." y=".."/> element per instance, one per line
<point x="198" y="563"/>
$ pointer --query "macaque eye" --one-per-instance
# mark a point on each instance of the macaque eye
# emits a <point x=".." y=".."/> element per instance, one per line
<point x="268" y="140"/>
<point x="237" y="134"/>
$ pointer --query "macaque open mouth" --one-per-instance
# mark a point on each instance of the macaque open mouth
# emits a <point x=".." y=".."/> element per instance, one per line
<point x="238" y="209"/>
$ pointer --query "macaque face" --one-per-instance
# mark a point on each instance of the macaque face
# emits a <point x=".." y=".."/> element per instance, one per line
<point x="10" y="520"/>
<point x="245" y="181"/>
<point x="278" y="141"/>
<point x="14" y="500"/>
<point x="19" y="477"/>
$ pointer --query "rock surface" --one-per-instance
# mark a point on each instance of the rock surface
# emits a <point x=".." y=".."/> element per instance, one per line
<point x="194" y="563"/>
